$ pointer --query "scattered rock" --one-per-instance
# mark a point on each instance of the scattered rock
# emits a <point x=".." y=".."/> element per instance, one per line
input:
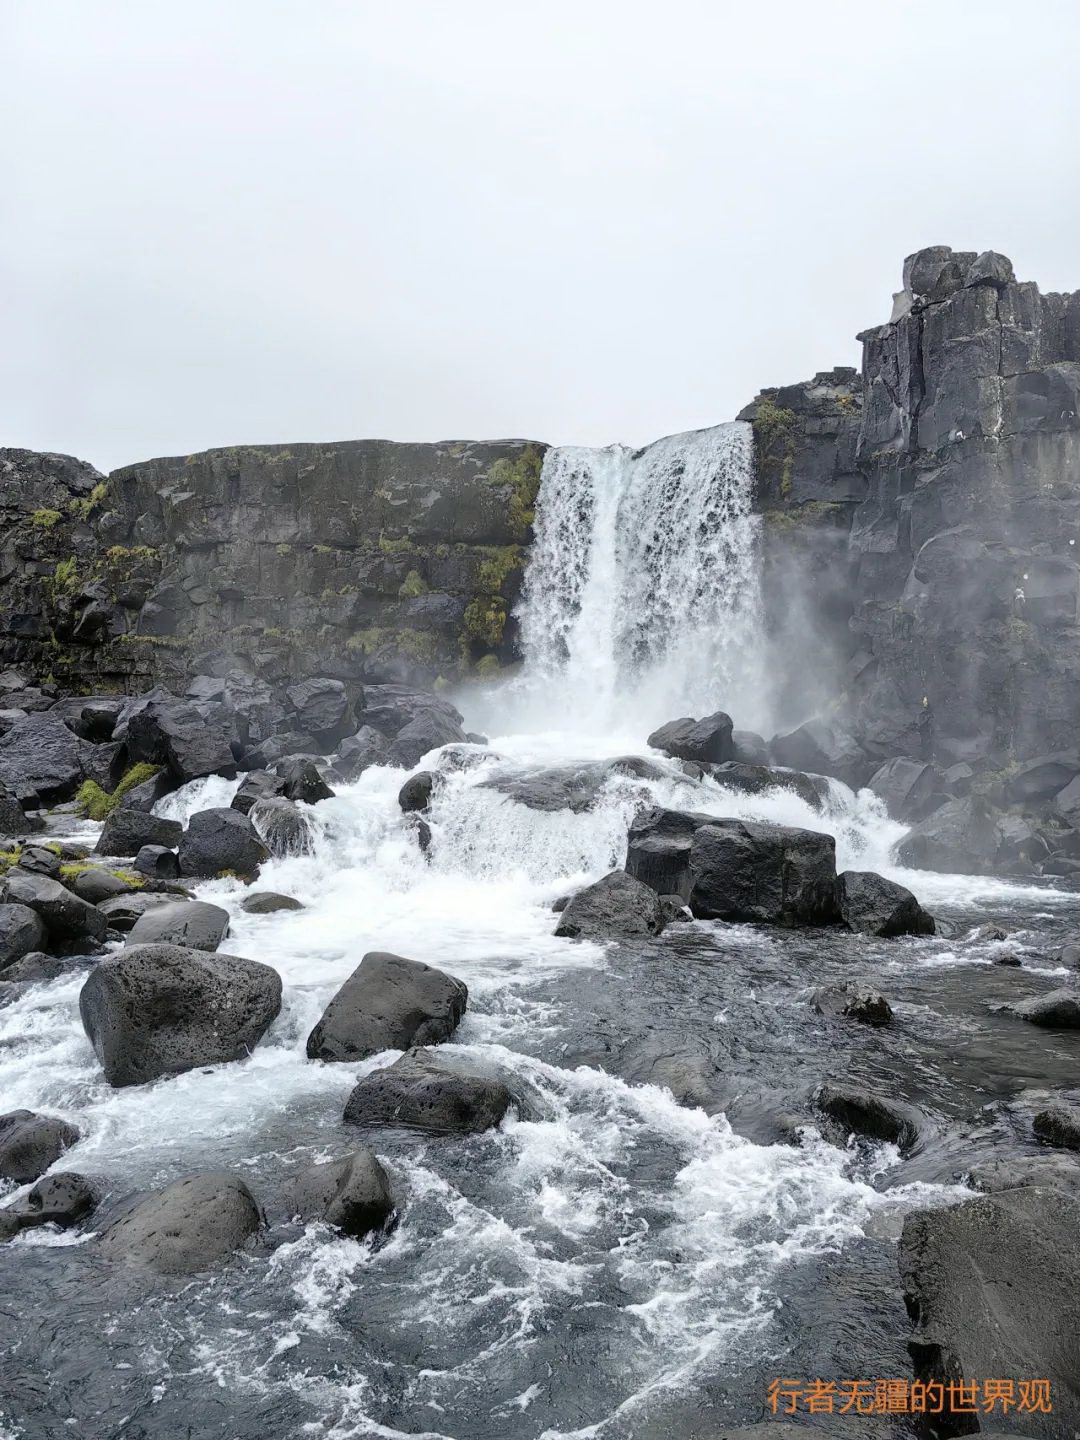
<point x="219" y="841"/>
<point x="353" y="1194"/>
<point x="771" y="874"/>
<point x="30" y="1143"/>
<point x="425" y="1092"/>
<point x="1059" y="1125"/>
<point x="706" y="741"/>
<point x="415" y="794"/>
<point x="323" y="710"/>
<point x="125" y="832"/>
<point x="40" y="861"/>
<point x="62" y="1199"/>
<point x="848" y="1003"/>
<point x="961" y="837"/>
<point x="191" y="923"/>
<point x="36" y="967"/>
<point x="283" y="828"/>
<point x="1070" y="954"/>
<point x="157" y="863"/>
<point x="871" y="905"/>
<point x="256" y="785"/>
<point x="268" y="902"/>
<point x="96" y="885"/>
<point x="41" y="761"/>
<point x="910" y="789"/>
<point x="22" y="930"/>
<point x="429" y="730"/>
<point x="673" y="910"/>
<point x="617" y="905"/>
<point x="163" y="730"/>
<point x="155" y="1010"/>
<point x="123" y="911"/>
<point x="1056" y="1010"/>
<point x="858" y="1112"/>
<point x="14" y="822"/>
<point x="65" y="916"/>
<point x="186" y="1227"/>
<point x="302" y="780"/>
<point x="388" y="1003"/>
<point x="359" y="752"/>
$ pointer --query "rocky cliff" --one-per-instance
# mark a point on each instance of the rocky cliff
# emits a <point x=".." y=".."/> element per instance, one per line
<point x="921" y="520"/>
<point x="361" y="560"/>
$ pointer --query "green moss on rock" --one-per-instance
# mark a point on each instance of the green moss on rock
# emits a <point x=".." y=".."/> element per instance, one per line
<point x="97" y="804"/>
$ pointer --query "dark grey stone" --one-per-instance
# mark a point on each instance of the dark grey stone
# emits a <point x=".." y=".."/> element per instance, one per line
<point x="302" y="781"/>
<point x="427" y="731"/>
<point x="423" y="1091"/>
<point x="158" y="863"/>
<point x="125" y="832"/>
<point x="282" y="827"/>
<point x="616" y="906"/>
<point x="706" y="741"/>
<point x="97" y="885"/>
<point x="40" y="861"/>
<point x="177" y="733"/>
<point x="1056" y="1010"/>
<point x="257" y="785"/>
<point x="850" y="1003"/>
<point x="415" y="794"/>
<point x="268" y="902"/>
<point x="123" y="911"/>
<point x="359" y="752"/>
<point x="322" y="709"/>
<point x="30" y="1143"/>
<point x="861" y="1113"/>
<point x="388" y="1003"/>
<point x="769" y="874"/>
<point x="65" y="916"/>
<point x="63" y="1199"/>
<point x="187" y="1227"/>
<point x="871" y="905"/>
<point x="221" y="840"/>
<point x="22" y="930"/>
<point x="1059" y="1124"/>
<point x="191" y="923"/>
<point x="353" y="1194"/>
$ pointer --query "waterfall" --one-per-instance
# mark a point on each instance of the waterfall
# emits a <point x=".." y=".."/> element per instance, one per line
<point x="642" y="595"/>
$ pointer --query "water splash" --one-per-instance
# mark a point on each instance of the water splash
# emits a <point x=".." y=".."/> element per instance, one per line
<point x="643" y="587"/>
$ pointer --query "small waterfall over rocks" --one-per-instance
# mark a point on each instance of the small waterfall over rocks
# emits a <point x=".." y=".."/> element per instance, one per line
<point x="643" y="587"/>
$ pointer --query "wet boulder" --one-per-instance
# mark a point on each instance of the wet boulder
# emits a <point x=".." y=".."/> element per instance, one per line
<point x="352" y="1194"/>
<point x="256" y="785"/>
<point x="616" y="906"/>
<point x="769" y="874"/>
<point x="1059" y="1125"/>
<point x="427" y="731"/>
<point x="158" y="863"/>
<point x="389" y="708"/>
<point x="65" y="916"/>
<point x="282" y="827"/>
<point x="813" y="790"/>
<point x="14" y="822"/>
<point x="302" y="780"/>
<point x="22" y="931"/>
<point x="177" y="733"/>
<point x="191" y="923"/>
<point x="322" y="709"/>
<point x="30" y="1143"/>
<point x="871" y="905"/>
<point x="750" y="748"/>
<point x="41" y="760"/>
<point x="415" y="794"/>
<point x="1056" y="1010"/>
<point x="821" y="748"/>
<point x="123" y="911"/>
<point x="658" y="849"/>
<point x="388" y="1003"/>
<point x="219" y="841"/>
<point x="910" y="789"/>
<point x="708" y="741"/>
<point x="1048" y="1171"/>
<point x="993" y="1288"/>
<point x="847" y="1002"/>
<point x="859" y="1112"/>
<point x="40" y="860"/>
<point x="268" y="902"/>
<point x="155" y="1010"/>
<point x="37" y="966"/>
<point x="1042" y="778"/>
<point x="961" y="837"/>
<point x="125" y="832"/>
<point x="97" y="884"/>
<point x="185" y="1228"/>
<point x="423" y="1091"/>
<point x="62" y="1200"/>
<point x="359" y="752"/>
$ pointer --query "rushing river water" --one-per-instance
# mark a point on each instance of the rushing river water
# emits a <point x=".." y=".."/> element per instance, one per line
<point x="610" y="1263"/>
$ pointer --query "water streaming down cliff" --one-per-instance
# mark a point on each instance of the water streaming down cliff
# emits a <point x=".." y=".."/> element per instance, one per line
<point x="642" y="596"/>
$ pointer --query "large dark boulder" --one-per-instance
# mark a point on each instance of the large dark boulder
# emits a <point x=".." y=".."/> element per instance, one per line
<point x="14" y="822"/>
<point x="65" y="916"/>
<point x="62" y="1200"/>
<point x="847" y="1002"/>
<point x="256" y="785"/>
<point x="1059" y="1125"/>
<point x="1056" y="1010"/>
<point x="282" y="827"/>
<point x="168" y="731"/>
<point x="427" y="731"/>
<point x="961" y="837"/>
<point x="993" y="1288"/>
<point x="186" y="1227"/>
<point x="871" y="905"/>
<point x="616" y="906"/>
<point x="358" y="752"/>
<point x="658" y="849"/>
<point x="415" y="794"/>
<point x="191" y="923"/>
<point x="389" y="708"/>
<point x="301" y="780"/>
<point x="126" y="831"/>
<point x="158" y="863"/>
<point x="911" y="789"/>
<point x="388" y="1003"/>
<point x="769" y="874"/>
<point x="30" y="1143"/>
<point x="746" y="779"/>
<point x="99" y="884"/>
<point x="352" y="1194"/>
<point x="423" y="1091"/>
<point x="322" y="709"/>
<point x="123" y="911"/>
<point x="22" y="931"/>
<point x="1042" y="778"/>
<point x="823" y="748"/>
<point x="155" y="1010"/>
<point x="41" y="760"/>
<point x="221" y="840"/>
<point x="859" y="1112"/>
<point x="707" y="741"/>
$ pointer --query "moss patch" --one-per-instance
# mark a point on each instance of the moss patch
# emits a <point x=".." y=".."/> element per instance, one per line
<point x="774" y="445"/>
<point x="522" y="476"/>
<point x="97" y="804"/>
<point x="412" y="586"/>
<point x="45" y="519"/>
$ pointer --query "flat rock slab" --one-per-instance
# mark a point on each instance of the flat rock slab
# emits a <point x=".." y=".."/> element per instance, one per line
<point x="155" y="1010"/>
<point x="423" y="1091"/>
<point x="186" y="1227"/>
<point x="388" y="1003"/>
<point x="194" y="923"/>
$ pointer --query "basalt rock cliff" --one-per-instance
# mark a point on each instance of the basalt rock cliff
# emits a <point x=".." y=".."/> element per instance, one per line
<point x="922" y="520"/>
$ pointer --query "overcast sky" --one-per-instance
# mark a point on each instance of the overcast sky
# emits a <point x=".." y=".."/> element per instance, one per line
<point x="241" y="221"/>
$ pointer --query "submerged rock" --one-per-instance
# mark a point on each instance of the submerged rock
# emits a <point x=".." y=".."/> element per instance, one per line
<point x="352" y="1194"/>
<point x="1057" y="1010"/>
<point x="849" y="1003"/>
<point x="1059" y="1125"/>
<point x="861" y="1113"/>
<point x="706" y="741"/>
<point x="283" y="827"/>
<point x="617" y="905"/>
<point x="388" y="1003"/>
<point x="192" y="923"/>
<point x="415" y="794"/>
<point x="62" y="1200"/>
<point x="186" y="1227"/>
<point x="30" y="1143"/>
<point x="268" y="902"/>
<point x="155" y="1010"/>
<point x="813" y="790"/>
<point x="257" y="785"/>
<point x="871" y="905"/>
<point x="423" y="1091"/>
<point x="302" y="781"/>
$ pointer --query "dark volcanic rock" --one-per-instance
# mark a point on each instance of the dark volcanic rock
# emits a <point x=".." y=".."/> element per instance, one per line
<point x="415" y="794"/>
<point x="706" y="741"/>
<point x="158" y="863"/>
<point x="323" y="710"/>
<point x="427" y="1092"/>
<point x="615" y="906"/>
<point x="41" y="760"/>
<point x="125" y="832"/>
<point x="658" y="849"/>
<point x="168" y="731"/>
<point x="871" y="905"/>
<point x="1056" y="1010"/>
<point x="221" y="840"/>
<point x="40" y="861"/>
<point x="353" y="1194"/>
<point x="186" y="1227"/>
<point x="97" y="885"/>
<point x="156" y="1010"/>
<point x="268" y="902"/>
<point x="822" y="748"/>
<point x="357" y="752"/>
<point x="388" y="1003"/>
<point x="1043" y="777"/>
<point x="910" y="789"/>
<point x="62" y="1199"/>
<point x="759" y="779"/>
<point x="30" y="1143"/>
<point x="1059" y="1125"/>
<point x="849" y="1003"/>
<point x="1045" y="1172"/>
<point x="771" y="874"/>
<point x="430" y="729"/>
<point x="14" y="822"/>
<point x="65" y="916"/>
<point x="256" y="785"/>
<point x="22" y="930"/>
<point x="861" y="1113"/>
<point x="123" y="911"/>
<point x="283" y="828"/>
<point x="993" y="1288"/>
<point x="191" y="923"/>
<point x="962" y="837"/>
<point x="302" y="780"/>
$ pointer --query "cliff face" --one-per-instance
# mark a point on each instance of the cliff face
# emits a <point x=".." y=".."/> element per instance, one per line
<point x="361" y="560"/>
<point x="925" y="517"/>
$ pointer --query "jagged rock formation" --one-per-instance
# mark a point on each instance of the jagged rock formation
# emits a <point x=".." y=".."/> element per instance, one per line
<point x="925" y="516"/>
<point x="375" y="560"/>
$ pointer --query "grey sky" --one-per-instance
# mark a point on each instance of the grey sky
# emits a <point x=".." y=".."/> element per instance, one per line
<point x="254" y="221"/>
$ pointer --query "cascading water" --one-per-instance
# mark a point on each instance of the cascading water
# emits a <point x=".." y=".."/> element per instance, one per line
<point x="642" y="596"/>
